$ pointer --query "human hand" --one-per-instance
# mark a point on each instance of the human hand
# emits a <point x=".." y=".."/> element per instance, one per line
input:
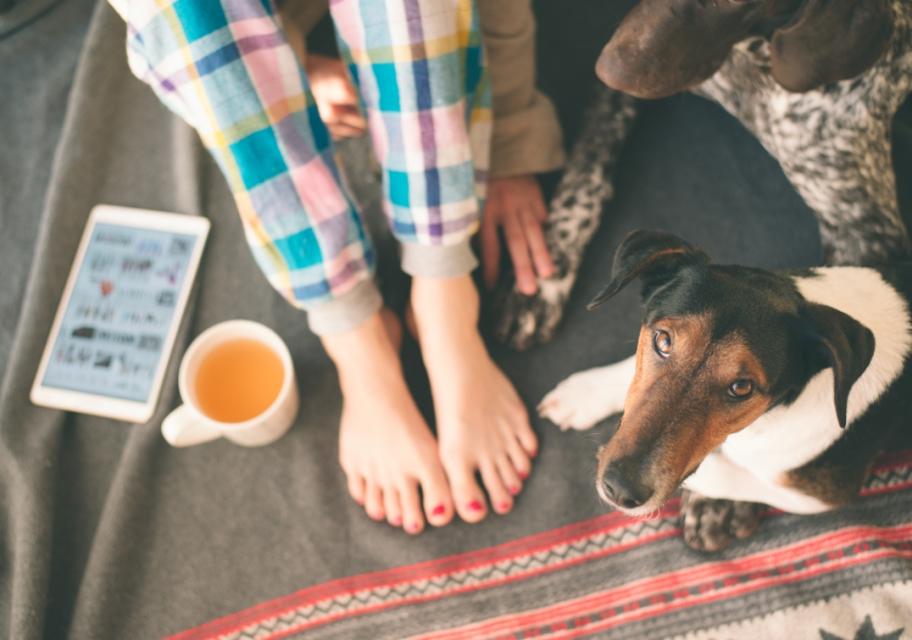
<point x="336" y="98"/>
<point x="516" y="204"/>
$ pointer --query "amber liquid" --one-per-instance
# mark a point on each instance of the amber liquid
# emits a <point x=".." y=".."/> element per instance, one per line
<point x="238" y="380"/>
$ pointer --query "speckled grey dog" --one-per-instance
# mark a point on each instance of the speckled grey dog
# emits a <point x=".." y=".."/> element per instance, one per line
<point x="816" y="81"/>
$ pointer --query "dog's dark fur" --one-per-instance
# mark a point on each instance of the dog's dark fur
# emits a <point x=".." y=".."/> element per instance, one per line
<point x="832" y="139"/>
<point x="723" y="346"/>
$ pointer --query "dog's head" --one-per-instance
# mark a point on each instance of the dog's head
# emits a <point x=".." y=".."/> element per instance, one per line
<point x="663" y="47"/>
<point x="718" y="347"/>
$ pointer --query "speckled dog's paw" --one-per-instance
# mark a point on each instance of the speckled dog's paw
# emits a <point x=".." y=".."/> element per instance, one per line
<point x="711" y="525"/>
<point x="523" y="321"/>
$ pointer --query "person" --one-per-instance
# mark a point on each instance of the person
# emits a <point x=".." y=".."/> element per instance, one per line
<point x="526" y="138"/>
<point x="227" y="69"/>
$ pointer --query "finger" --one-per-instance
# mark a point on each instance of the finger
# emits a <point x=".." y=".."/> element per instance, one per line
<point x="348" y="88"/>
<point x="519" y="253"/>
<point x="490" y="246"/>
<point x="538" y="248"/>
<point x="349" y="115"/>
<point x="339" y="131"/>
<point x="537" y="203"/>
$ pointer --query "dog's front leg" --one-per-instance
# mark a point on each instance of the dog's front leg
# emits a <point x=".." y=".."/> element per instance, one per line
<point x="587" y="397"/>
<point x="574" y="216"/>
<point x="724" y="502"/>
<point x="720" y="504"/>
<point x="712" y="524"/>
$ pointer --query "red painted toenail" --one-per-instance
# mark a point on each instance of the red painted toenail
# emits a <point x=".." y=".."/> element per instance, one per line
<point x="439" y="510"/>
<point x="413" y="527"/>
<point x="504" y="506"/>
<point x="395" y="521"/>
<point x="514" y="491"/>
<point x="523" y="474"/>
<point x="475" y="505"/>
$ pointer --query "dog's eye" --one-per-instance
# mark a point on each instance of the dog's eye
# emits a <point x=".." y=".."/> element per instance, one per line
<point x="741" y="388"/>
<point x="661" y="342"/>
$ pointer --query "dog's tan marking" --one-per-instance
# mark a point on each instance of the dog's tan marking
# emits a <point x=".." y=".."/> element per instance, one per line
<point x="834" y="485"/>
<point x="677" y="410"/>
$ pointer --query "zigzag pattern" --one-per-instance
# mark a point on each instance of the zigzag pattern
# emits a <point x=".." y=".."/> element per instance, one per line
<point x="477" y="577"/>
<point x="310" y="613"/>
<point x="882" y="478"/>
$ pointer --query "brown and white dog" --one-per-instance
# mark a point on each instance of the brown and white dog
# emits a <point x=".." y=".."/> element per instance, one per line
<point x="747" y="385"/>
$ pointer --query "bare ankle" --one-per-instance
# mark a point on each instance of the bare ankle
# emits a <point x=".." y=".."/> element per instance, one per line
<point x="372" y="342"/>
<point x="445" y="311"/>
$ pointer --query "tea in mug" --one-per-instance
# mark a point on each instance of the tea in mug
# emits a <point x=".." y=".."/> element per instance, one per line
<point x="238" y="380"/>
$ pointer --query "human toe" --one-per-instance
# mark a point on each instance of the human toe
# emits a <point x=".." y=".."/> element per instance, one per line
<point x="467" y="495"/>
<point x="356" y="488"/>
<point x="500" y="497"/>
<point x="438" y="502"/>
<point x="373" y="502"/>
<point x="509" y="475"/>
<point x="412" y="517"/>
<point x="392" y="507"/>
<point x="517" y="458"/>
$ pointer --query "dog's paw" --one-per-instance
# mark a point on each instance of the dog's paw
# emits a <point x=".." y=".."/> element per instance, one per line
<point x="711" y="525"/>
<point x="523" y="321"/>
<point x="587" y="397"/>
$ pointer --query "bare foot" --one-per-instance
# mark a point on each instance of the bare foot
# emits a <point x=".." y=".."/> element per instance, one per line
<point x="385" y="447"/>
<point x="482" y="425"/>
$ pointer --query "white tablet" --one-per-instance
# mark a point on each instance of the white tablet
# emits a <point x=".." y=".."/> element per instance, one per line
<point x="121" y="307"/>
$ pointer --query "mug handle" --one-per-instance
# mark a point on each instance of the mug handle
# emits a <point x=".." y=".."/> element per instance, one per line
<point x="181" y="429"/>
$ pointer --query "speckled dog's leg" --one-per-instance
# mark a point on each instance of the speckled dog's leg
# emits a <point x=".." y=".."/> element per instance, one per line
<point x="573" y="219"/>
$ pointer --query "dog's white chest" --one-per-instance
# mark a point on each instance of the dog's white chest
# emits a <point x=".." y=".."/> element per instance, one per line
<point x="718" y="476"/>
<point x="788" y="437"/>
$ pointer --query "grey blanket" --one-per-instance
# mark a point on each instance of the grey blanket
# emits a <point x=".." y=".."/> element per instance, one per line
<point x="107" y="532"/>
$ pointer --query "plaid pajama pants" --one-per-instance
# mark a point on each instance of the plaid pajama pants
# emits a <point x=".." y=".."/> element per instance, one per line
<point x="226" y="68"/>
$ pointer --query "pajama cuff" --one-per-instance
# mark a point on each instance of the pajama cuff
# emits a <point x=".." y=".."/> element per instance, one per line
<point x="438" y="261"/>
<point x="346" y="312"/>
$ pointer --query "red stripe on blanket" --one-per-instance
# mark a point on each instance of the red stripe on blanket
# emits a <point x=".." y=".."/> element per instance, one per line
<point x="472" y="560"/>
<point x="811" y="557"/>
<point x="435" y="568"/>
<point x="701" y="600"/>
<point x="461" y="590"/>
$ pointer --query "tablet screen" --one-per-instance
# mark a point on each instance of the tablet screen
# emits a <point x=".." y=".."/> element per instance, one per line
<point x="120" y="311"/>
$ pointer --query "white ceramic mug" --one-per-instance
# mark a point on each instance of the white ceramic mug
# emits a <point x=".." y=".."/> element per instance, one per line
<point x="188" y="425"/>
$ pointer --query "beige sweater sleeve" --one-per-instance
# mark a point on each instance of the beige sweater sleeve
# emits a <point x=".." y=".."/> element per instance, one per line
<point x="527" y="135"/>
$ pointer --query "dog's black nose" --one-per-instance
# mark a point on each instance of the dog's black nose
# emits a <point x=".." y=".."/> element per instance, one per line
<point x="621" y="489"/>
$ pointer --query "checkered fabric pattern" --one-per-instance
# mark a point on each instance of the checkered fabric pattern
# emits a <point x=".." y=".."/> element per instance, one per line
<point x="226" y="68"/>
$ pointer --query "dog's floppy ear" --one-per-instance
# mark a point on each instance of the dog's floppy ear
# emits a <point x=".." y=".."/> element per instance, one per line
<point x="655" y="256"/>
<point x="845" y="344"/>
<point x="664" y="47"/>
<point x="830" y="40"/>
